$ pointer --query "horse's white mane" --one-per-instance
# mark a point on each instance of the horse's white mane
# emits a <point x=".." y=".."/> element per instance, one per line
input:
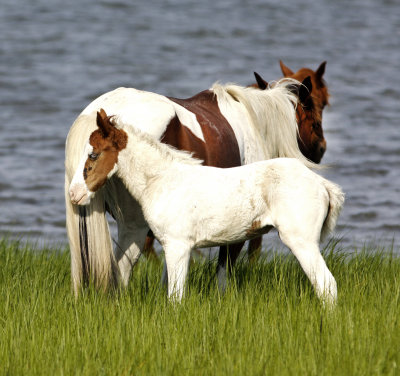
<point x="272" y="114"/>
<point x="166" y="152"/>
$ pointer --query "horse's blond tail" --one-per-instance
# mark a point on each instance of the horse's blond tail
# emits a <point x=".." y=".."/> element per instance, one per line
<point x="92" y="260"/>
<point x="336" y="201"/>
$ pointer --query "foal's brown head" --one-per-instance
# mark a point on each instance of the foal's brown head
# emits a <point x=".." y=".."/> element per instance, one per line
<point x="309" y="116"/>
<point x="106" y="142"/>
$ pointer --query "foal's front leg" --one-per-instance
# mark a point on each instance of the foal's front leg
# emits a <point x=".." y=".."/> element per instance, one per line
<point x="177" y="257"/>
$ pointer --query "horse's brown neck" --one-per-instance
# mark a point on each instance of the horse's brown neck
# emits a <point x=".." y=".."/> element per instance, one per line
<point x="311" y="137"/>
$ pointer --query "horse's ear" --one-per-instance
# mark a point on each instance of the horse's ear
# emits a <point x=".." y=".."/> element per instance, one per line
<point x="285" y="70"/>
<point x="262" y="84"/>
<point x="103" y="122"/>
<point x="321" y="70"/>
<point x="305" y="89"/>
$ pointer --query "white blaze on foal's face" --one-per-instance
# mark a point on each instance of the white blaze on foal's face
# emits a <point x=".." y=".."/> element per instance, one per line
<point x="102" y="152"/>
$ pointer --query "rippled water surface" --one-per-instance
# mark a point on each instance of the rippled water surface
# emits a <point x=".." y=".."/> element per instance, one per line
<point x="56" y="57"/>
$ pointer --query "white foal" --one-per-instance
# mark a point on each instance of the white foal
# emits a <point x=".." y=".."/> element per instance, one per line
<point x="188" y="205"/>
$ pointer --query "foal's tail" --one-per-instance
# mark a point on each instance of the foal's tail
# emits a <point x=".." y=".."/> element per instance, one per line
<point x="92" y="260"/>
<point x="336" y="201"/>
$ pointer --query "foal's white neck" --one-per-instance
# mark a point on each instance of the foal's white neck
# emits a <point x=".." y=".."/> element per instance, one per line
<point x="145" y="158"/>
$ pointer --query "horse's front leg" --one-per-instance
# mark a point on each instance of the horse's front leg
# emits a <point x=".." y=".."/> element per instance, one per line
<point x="177" y="258"/>
<point x="131" y="240"/>
<point x="227" y="257"/>
<point x="132" y="228"/>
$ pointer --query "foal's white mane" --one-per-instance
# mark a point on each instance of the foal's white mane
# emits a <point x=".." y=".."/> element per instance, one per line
<point x="272" y="114"/>
<point x="165" y="152"/>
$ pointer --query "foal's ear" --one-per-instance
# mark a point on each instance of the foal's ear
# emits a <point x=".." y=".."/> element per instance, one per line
<point x="321" y="70"/>
<point x="285" y="70"/>
<point x="262" y="84"/>
<point x="305" y="89"/>
<point x="103" y="122"/>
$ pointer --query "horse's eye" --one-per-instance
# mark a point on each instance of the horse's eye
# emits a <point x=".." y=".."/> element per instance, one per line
<point x="93" y="156"/>
<point x="316" y="125"/>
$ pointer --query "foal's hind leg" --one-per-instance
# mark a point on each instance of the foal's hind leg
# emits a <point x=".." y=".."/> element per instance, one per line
<point x="227" y="257"/>
<point x="309" y="256"/>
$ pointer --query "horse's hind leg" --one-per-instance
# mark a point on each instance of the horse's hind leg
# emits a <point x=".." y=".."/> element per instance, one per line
<point x="148" y="248"/>
<point x="227" y="257"/>
<point x="254" y="249"/>
<point x="309" y="256"/>
<point x="130" y="243"/>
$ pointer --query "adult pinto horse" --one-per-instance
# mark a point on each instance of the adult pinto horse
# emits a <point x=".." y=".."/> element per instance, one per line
<point x="225" y="126"/>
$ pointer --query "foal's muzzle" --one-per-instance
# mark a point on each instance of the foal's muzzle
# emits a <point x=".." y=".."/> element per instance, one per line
<point x="79" y="194"/>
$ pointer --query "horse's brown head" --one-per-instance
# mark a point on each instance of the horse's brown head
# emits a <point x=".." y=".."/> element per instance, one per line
<point x="99" y="160"/>
<point x="309" y="116"/>
<point x="320" y="90"/>
<point x="311" y="138"/>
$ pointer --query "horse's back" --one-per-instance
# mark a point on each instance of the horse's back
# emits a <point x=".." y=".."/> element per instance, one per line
<point x="150" y="112"/>
<point x="120" y="98"/>
<point x="219" y="146"/>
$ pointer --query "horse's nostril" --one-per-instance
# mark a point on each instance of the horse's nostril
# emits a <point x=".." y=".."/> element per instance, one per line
<point x="322" y="147"/>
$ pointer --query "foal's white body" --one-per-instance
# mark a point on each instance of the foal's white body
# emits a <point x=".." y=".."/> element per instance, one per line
<point x="192" y="206"/>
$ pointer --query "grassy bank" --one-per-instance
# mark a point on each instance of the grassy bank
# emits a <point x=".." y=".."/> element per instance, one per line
<point x="268" y="322"/>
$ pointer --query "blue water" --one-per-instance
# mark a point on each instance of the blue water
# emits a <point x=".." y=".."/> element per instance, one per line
<point x="58" y="56"/>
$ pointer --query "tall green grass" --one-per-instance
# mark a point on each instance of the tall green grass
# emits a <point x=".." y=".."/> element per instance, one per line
<point x="269" y="321"/>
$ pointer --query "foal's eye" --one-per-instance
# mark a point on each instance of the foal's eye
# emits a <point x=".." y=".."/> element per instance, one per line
<point x="93" y="156"/>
